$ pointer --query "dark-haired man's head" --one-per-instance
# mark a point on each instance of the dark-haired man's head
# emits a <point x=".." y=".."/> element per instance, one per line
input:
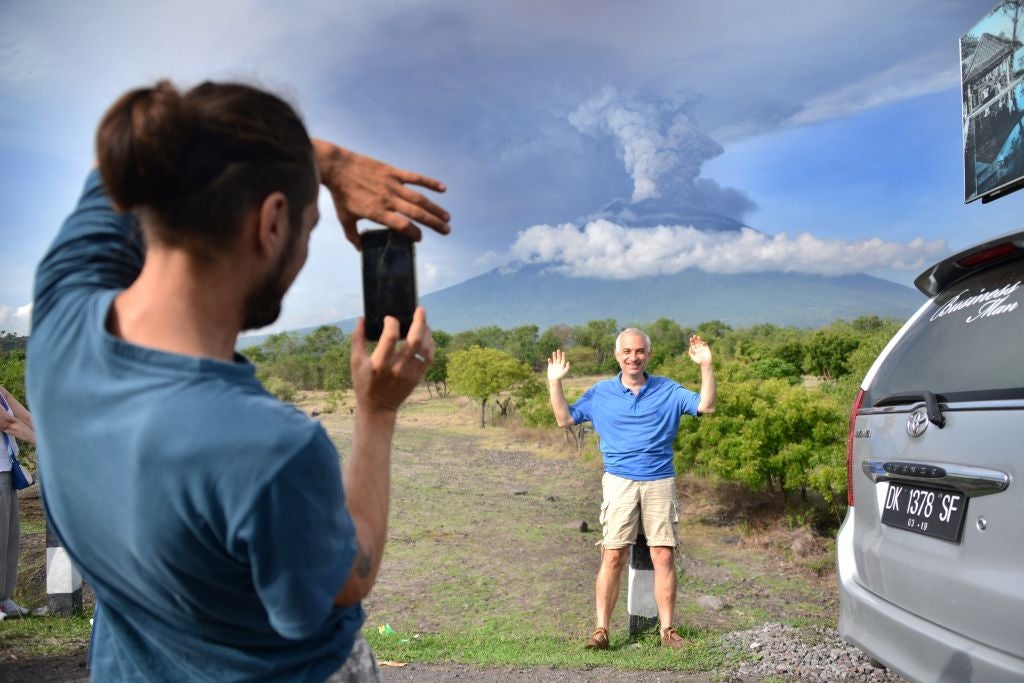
<point x="195" y="165"/>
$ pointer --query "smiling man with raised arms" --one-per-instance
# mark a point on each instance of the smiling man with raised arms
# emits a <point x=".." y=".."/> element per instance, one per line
<point x="637" y="416"/>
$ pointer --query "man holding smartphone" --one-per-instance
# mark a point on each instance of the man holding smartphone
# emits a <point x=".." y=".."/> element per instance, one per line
<point x="211" y="520"/>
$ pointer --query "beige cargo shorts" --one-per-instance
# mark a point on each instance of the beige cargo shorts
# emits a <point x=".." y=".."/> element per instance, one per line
<point x="630" y="506"/>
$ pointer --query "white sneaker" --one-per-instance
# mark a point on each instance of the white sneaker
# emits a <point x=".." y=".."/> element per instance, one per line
<point x="13" y="609"/>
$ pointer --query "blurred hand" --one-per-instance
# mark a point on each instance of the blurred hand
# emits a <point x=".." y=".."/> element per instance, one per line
<point x="700" y="352"/>
<point x="558" y="366"/>
<point x="363" y="187"/>
<point x="383" y="380"/>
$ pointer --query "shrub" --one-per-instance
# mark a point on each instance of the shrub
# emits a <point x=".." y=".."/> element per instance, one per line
<point x="282" y="389"/>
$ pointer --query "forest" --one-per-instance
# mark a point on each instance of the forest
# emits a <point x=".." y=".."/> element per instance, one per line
<point x="784" y="393"/>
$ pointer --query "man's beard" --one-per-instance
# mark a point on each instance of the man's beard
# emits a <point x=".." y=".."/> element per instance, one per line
<point x="263" y="304"/>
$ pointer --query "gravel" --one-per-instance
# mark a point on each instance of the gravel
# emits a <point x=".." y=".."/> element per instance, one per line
<point x="782" y="653"/>
<point x="813" y="653"/>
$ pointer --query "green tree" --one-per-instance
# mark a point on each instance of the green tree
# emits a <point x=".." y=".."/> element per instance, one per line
<point x="489" y="337"/>
<point x="482" y="374"/>
<point x="335" y="366"/>
<point x="442" y="340"/>
<point x="599" y="336"/>
<point x="321" y="340"/>
<point x="12" y="341"/>
<point x="773" y="436"/>
<point x="12" y="373"/>
<point x="583" y="360"/>
<point x="437" y="373"/>
<point x="668" y="339"/>
<point x="279" y="345"/>
<point x="555" y="337"/>
<point x="298" y="370"/>
<point x="869" y="347"/>
<point x="828" y="350"/>
<point x="521" y="344"/>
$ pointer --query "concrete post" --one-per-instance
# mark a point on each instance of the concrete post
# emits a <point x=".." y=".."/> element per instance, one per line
<point x="63" y="582"/>
<point x="643" y="610"/>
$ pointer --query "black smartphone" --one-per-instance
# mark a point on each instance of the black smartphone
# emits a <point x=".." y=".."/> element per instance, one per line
<point x="389" y="280"/>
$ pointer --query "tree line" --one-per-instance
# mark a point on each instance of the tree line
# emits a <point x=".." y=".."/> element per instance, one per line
<point x="783" y="402"/>
<point x="784" y="392"/>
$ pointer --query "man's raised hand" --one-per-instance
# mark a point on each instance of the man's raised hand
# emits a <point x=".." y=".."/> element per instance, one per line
<point x="700" y="352"/>
<point x="363" y="187"/>
<point x="558" y="366"/>
<point x="384" y="379"/>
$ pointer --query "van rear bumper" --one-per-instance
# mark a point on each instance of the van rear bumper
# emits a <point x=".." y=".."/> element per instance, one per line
<point x="917" y="649"/>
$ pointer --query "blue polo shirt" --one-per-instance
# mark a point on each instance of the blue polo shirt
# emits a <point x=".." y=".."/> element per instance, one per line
<point x="637" y="430"/>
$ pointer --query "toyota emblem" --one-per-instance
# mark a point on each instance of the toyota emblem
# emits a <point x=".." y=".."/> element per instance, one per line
<point x="917" y="422"/>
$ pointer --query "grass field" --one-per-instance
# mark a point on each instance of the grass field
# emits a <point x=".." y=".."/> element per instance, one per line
<point x="486" y="564"/>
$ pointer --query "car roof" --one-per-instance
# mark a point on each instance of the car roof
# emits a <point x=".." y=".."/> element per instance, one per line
<point x="949" y="270"/>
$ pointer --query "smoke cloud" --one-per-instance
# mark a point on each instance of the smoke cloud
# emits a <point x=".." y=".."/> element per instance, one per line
<point x="662" y="149"/>
<point x="606" y="250"/>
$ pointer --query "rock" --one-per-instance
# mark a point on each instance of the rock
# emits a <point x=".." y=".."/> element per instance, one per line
<point x="711" y="603"/>
<point x="552" y="499"/>
<point x="805" y="544"/>
<point x="518" y="492"/>
<point x="314" y="413"/>
<point x="580" y="526"/>
<point x="730" y="540"/>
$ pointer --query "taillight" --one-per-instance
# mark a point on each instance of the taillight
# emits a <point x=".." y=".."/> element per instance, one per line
<point x="849" y="446"/>
<point x="990" y="254"/>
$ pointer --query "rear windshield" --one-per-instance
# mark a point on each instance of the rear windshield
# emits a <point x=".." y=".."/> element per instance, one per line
<point x="967" y="345"/>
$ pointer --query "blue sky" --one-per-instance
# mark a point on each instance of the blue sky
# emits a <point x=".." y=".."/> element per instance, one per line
<point x="832" y="128"/>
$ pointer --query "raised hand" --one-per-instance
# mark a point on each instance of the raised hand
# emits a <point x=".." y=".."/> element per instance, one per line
<point x="363" y="187"/>
<point x="558" y="366"/>
<point x="700" y="352"/>
<point x="384" y="379"/>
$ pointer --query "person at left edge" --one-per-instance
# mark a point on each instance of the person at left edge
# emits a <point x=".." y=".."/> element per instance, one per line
<point x="15" y="423"/>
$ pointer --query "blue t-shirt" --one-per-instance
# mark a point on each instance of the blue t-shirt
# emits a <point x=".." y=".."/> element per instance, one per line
<point x="208" y="518"/>
<point x="637" y="430"/>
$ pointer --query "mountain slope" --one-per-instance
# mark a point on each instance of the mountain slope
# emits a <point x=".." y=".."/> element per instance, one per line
<point x="531" y="295"/>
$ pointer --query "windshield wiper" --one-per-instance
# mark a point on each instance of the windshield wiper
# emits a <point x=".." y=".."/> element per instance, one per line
<point x="931" y="403"/>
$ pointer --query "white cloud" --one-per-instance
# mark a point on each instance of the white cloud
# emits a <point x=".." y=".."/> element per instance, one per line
<point x="16" y="320"/>
<point x="606" y="250"/>
<point x="901" y="82"/>
<point x="428" y="277"/>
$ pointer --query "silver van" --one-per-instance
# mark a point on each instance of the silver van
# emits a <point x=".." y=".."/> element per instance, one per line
<point x="930" y="557"/>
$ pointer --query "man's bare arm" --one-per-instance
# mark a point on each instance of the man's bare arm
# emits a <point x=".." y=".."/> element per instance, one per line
<point x="700" y="353"/>
<point x="558" y="367"/>
<point x="382" y="382"/>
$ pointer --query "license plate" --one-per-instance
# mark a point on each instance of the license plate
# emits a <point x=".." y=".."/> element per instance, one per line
<point x="923" y="510"/>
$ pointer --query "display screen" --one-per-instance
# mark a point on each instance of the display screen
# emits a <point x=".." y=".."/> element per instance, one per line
<point x="389" y="280"/>
<point x="992" y="81"/>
